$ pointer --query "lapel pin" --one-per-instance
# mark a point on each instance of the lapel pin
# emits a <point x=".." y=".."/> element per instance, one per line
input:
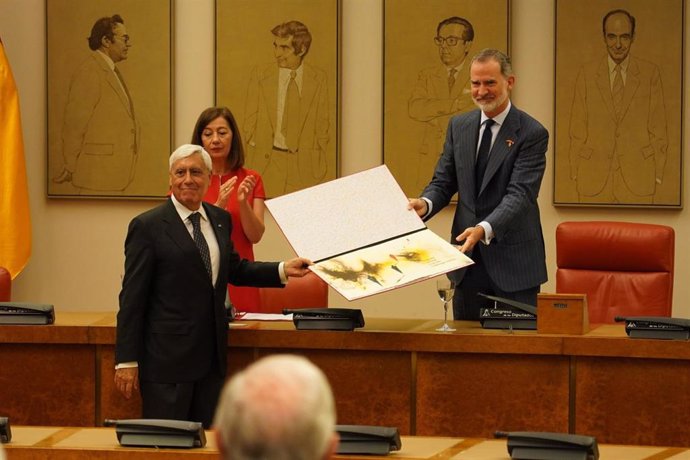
<point x="510" y="142"/>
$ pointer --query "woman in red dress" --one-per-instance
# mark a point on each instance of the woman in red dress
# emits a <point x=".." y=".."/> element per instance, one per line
<point x="234" y="188"/>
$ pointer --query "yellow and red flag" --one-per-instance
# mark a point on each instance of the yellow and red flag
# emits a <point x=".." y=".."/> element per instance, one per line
<point x="15" y="220"/>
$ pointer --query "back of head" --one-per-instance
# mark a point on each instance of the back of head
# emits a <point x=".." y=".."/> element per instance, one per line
<point x="279" y="408"/>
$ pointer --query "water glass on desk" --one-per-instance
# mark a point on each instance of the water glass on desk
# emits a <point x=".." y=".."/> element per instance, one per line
<point x="445" y="289"/>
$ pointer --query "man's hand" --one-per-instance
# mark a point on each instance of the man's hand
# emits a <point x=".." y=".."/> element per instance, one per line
<point x="297" y="267"/>
<point x="127" y="380"/>
<point x="471" y="236"/>
<point x="420" y="206"/>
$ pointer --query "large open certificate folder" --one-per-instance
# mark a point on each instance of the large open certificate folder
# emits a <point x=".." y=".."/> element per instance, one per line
<point x="360" y="235"/>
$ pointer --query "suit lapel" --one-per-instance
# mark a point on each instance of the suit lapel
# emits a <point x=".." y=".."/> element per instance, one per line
<point x="505" y="139"/>
<point x="269" y="87"/>
<point x="222" y="237"/>
<point x="604" y="86"/>
<point x="176" y="229"/>
<point x="112" y="80"/>
<point x="308" y="95"/>
<point x="466" y="155"/>
<point x="632" y="82"/>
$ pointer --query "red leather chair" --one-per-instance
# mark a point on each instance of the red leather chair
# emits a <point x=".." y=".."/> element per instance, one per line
<point x="5" y="285"/>
<point x="309" y="291"/>
<point x="626" y="269"/>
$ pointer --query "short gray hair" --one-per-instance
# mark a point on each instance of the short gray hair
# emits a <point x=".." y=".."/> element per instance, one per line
<point x="488" y="54"/>
<point x="279" y="408"/>
<point x="186" y="150"/>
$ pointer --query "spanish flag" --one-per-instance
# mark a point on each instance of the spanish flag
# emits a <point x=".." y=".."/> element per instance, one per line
<point x="15" y="222"/>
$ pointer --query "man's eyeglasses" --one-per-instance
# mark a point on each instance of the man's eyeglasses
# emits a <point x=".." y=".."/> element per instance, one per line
<point x="125" y="38"/>
<point x="450" y="41"/>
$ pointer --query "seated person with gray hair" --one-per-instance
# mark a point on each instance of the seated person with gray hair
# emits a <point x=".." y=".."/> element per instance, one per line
<point x="279" y="408"/>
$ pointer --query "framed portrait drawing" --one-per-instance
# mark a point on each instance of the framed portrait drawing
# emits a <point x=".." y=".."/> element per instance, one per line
<point x="618" y="103"/>
<point x="109" y="98"/>
<point x="428" y="45"/>
<point x="277" y="70"/>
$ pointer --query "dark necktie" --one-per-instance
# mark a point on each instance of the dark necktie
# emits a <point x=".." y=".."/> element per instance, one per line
<point x="617" y="91"/>
<point x="201" y="242"/>
<point x="483" y="155"/>
<point x="290" y="127"/>
<point x="451" y="80"/>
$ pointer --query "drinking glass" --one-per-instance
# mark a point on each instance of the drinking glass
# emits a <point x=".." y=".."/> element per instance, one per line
<point x="445" y="289"/>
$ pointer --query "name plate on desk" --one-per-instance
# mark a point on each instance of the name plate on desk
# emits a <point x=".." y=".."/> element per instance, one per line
<point x="507" y="314"/>
<point x="656" y="327"/>
<point x="562" y="314"/>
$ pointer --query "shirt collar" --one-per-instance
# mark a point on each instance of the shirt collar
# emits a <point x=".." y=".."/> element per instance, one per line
<point x="107" y="59"/>
<point x="500" y="118"/>
<point x="185" y="212"/>
<point x="285" y="72"/>
<point x="624" y="64"/>
<point x="457" y="68"/>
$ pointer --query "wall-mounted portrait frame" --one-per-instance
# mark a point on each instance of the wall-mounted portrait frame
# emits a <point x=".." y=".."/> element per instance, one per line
<point x="619" y="103"/>
<point x="109" y="73"/>
<point x="290" y="131"/>
<point x="420" y="96"/>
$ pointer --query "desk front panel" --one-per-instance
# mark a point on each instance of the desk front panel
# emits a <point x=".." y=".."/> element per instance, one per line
<point x="48" y="384"/>
<point x="633" y="400"/>
<point x="477" y="394"/>
<point x="393" y="372"/>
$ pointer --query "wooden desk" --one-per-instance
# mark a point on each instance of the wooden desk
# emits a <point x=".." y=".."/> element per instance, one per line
<point x="57" y="443"/>
<point x="394" y="372"/>
<point x="29" y="443"/>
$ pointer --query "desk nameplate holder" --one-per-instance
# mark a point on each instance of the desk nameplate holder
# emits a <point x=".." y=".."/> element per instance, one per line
<point x="158" y="433"/>
<point x="507" y="314"/>
<point x="26" y="313"/>
<point x="656" y="327"/>
<point x="562" y="314"/>
<point x="367" y="440"/>
<point x="328" y="319"/>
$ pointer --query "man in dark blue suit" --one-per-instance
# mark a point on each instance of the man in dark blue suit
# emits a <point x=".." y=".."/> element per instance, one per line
<point x="497" y="178"/>
<point x="172" y="326"/>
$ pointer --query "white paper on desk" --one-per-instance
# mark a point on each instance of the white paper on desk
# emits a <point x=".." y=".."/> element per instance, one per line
<point x="361" y="235"/>
<point x="264" y="317"/>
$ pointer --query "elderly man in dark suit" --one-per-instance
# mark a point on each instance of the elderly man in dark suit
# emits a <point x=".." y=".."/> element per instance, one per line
<point x="172" y="325"/>
<point x="497" y="177"/>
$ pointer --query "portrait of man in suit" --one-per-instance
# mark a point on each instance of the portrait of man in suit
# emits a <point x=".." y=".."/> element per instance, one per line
<point x="441" y="91"/>
<point x="109" y="98"/>
<point x="618" y="130"/>
<point x="618" y="117"/>
<point x="427" y="48"/>
<point x="100" y="132"/>
<point x="286" y="121"/>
